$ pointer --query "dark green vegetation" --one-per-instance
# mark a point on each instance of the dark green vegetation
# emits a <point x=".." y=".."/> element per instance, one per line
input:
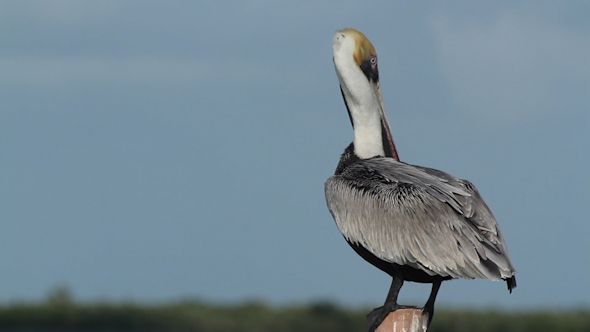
<point x="60" y="313"/>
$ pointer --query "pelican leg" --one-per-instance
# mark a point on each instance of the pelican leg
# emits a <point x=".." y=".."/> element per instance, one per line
<point x="376" y="317"/>
<point x="429" y="306"/>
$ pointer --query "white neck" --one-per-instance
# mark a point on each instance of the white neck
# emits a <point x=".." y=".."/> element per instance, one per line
<point x="362" y="103"/>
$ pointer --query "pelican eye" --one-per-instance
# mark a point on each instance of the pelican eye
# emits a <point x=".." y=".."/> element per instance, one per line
<point x="373" y="61"/>
<point x="369" y="68"/>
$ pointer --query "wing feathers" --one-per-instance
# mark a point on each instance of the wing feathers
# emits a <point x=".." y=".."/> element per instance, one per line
<point x="420" y="217"/>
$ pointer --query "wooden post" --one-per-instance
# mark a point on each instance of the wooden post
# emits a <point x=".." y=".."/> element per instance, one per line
<point x="405" y="320"/>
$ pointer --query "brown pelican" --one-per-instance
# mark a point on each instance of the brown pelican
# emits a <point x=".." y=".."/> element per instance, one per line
<point x="414" y="223"/>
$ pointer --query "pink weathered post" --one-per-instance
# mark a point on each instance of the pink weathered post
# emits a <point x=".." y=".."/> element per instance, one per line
<point x="404" y="320"/>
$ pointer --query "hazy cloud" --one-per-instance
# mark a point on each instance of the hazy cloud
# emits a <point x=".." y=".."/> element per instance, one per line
<point x="513" y="68"/>
<point x="59" y="12"/>
<point x="121" y="70"/>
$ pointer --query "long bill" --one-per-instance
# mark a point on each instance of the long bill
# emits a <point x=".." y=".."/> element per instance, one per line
<point x="388" y="145"/>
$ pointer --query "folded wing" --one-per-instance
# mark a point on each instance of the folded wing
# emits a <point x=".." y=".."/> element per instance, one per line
<point x="417" y="216"/>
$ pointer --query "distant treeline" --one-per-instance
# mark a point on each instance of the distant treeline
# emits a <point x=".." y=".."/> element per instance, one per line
<point x="59" y="313"/>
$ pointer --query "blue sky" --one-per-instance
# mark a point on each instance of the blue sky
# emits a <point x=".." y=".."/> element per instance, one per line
<point x="155" y="151"/>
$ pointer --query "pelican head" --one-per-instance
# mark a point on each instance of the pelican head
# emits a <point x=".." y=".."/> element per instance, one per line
<point x="355" y="60"/>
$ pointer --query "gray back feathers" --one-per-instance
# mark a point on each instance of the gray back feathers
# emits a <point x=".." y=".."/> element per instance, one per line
<point x="417" y="216"/>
